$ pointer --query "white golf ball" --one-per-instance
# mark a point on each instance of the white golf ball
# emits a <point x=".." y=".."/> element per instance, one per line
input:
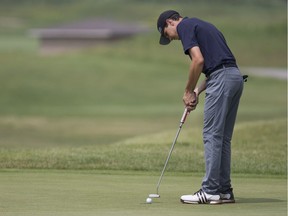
<point x="148" y="200"/>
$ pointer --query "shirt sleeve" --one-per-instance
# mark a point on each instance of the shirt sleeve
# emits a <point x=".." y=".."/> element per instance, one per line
<point x="187" y="33"/>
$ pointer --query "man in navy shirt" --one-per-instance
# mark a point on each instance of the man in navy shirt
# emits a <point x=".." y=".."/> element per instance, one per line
<point x="209" y="54"/>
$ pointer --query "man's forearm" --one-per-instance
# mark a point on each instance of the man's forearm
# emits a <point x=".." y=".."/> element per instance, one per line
<point x="194" y="74"/>
<point x="195" y="69"/>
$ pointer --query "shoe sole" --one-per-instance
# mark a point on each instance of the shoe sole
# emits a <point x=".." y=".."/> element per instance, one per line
<point x="213" y="202"/>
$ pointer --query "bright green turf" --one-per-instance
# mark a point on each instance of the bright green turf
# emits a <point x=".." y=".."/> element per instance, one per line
<point x="61" y="193"/>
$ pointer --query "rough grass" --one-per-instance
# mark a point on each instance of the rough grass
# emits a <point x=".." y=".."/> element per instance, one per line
<point x="258" y="148"/>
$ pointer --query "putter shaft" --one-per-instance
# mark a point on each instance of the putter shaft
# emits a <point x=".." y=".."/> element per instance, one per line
<point x="172" y="147"/>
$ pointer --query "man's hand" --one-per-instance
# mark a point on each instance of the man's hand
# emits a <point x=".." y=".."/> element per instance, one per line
<point x="190" y="100"/>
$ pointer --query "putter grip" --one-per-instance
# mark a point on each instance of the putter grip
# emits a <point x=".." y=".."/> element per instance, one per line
<point x="184" y="116"/>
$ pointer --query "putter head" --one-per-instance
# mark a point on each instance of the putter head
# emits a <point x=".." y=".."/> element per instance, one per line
<point x="245" y="78"/>
<point x="154" y="195"/>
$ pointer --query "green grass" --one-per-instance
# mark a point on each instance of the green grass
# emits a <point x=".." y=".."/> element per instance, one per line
<point x="88" y="84"/>
<point x="60" y="193"/>
<point x="79" y="110"/>
<point x="87" y="133"/>
<point x="61" y="148"/>
<point x="70" y="113"/>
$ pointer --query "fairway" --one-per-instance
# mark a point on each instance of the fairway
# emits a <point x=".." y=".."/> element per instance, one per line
<point x="59" y="193"/>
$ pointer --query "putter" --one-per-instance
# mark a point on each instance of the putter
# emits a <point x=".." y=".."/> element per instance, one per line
<point x="169" y="155"/>
<point x="245" y="78"/>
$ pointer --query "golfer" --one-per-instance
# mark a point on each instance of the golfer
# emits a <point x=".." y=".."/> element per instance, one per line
<point x="209" y="54"/>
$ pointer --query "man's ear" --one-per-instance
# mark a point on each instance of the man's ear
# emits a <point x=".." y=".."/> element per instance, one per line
<point x="169" y="21"/>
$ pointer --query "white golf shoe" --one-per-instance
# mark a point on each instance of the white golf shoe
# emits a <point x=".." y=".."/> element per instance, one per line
<point x="200" y="197"/>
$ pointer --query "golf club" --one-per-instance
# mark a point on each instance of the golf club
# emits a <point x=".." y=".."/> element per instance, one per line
<point x="169" y="155"/>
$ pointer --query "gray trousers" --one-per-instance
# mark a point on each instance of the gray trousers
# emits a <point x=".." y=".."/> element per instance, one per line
<point x="223" y="91"/>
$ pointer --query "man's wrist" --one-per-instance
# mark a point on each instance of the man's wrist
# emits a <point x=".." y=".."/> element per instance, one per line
<point x="189" y="91"/>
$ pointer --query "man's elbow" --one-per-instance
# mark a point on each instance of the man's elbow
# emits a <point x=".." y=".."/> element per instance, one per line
<point x="199" y="61"/>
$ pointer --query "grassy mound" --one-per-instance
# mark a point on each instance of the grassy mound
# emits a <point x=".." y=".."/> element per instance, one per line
<point x="258" y="148"/>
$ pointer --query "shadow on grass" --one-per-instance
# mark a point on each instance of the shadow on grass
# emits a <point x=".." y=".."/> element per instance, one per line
<point x="258" y="200"/>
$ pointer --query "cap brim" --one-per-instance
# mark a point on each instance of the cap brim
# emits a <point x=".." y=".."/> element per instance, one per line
<point x="164" y="40"/>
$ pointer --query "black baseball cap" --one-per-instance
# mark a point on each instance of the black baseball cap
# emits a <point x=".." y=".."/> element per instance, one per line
<point x="161" y="23"/>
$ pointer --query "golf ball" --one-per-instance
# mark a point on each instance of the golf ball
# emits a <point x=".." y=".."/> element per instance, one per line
<point x="149" y="200"/>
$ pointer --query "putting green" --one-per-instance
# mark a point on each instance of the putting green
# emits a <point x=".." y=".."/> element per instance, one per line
<point x="49" y="192"/>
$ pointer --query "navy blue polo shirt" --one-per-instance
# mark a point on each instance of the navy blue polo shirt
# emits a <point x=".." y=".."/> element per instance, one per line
<point x="195" y="32"/>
